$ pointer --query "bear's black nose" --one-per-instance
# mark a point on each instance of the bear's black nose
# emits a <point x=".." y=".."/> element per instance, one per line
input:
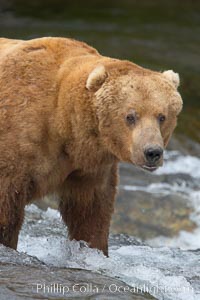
<point x="153" y="154"/>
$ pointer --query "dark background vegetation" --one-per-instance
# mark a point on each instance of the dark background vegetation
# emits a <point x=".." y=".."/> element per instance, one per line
<point x="156" y="34"/>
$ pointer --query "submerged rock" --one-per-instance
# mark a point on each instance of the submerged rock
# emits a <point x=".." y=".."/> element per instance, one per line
<point x="149" y="205"/>
<point x="147" y="216"/>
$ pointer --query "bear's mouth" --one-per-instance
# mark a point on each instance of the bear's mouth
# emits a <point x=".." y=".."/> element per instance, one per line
<point x="149" y="168"/>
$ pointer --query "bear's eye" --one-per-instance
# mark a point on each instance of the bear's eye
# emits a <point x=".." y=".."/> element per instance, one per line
<point x="161" y="118"/>
<point x="131" y="118"/>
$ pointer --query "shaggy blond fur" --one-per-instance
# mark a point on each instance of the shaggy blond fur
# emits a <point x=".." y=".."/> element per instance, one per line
<point x="63" y="129"/>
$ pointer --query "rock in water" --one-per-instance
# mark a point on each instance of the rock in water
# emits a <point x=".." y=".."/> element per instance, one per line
<point x="25" y="277"/>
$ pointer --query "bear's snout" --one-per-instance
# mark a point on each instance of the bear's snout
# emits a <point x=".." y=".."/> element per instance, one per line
<point x="153" y="156"/>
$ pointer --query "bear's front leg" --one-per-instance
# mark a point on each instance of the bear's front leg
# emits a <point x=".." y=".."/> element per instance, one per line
<point x="13" y="196"/>
<point x="11" y="218"/>
<point x="86" y="206"/>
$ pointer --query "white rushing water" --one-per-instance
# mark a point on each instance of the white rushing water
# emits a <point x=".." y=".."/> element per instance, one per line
<point x="159" y="268"/>
<point x="178" y="164"/>
<point x="163" y="272"/>
<point x="189" y="165"/>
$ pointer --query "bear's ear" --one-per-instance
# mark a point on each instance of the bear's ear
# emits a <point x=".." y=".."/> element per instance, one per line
<point x="173" y="77"/>
<point x="96" y="78"/>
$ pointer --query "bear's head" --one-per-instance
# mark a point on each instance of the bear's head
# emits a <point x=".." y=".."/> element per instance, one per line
<point x="136" y="109"/>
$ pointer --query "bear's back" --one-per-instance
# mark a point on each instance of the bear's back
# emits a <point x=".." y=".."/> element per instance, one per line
<point x="30" y="67"/>
<point x="61" y="48"/>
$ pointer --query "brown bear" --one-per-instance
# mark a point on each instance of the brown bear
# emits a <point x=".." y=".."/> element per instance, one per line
<point x="68" y="115"/>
